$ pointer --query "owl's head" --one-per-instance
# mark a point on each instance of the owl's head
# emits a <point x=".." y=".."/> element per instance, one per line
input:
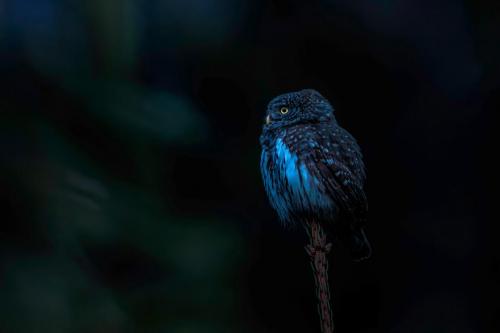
<point x="299" y="107"/>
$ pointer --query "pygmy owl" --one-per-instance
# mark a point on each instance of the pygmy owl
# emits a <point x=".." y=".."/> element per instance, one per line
<point x="313" y="169"/>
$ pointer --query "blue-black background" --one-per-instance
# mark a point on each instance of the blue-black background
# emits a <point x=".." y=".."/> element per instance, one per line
<point x="131" y="198"/>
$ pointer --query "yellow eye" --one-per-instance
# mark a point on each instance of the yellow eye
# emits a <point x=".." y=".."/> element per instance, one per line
<point x="284" y="110"/>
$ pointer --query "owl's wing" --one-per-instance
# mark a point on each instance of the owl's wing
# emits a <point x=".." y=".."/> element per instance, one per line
<point x="335" y="159"/>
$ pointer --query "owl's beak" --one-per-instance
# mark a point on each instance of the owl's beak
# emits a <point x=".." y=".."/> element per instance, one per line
<point x="268" y="120"/>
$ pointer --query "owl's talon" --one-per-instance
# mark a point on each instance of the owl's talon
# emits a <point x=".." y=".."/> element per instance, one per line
<point x="328" y="247"/>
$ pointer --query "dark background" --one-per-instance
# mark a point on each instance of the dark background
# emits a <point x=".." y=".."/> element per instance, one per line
<point x="131" y="198"/>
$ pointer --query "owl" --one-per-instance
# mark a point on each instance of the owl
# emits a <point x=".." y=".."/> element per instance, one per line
<point x="313" y="169"/>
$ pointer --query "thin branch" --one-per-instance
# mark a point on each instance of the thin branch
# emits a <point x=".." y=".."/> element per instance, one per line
<point x="317" y="249"/>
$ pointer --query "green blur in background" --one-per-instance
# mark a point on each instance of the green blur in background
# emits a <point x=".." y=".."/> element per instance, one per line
<point x="91" y="242"/>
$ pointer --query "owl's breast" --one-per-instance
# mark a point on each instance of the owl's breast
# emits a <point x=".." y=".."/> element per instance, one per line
<point x="292" y="188"/>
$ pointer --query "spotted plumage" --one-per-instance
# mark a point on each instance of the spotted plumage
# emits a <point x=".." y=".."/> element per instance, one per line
<point x="313" y="169"/>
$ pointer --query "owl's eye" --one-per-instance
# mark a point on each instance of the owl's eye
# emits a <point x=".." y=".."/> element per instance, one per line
<point x="284" y="110"/>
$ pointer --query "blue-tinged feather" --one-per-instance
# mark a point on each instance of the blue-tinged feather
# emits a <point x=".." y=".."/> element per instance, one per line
<point x="290" y="185"/>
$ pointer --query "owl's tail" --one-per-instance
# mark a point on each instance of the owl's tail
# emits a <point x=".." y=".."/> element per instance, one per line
<point x="358" y="244"/>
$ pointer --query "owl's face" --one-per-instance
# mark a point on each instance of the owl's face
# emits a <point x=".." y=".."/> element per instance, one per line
<point x="300" y="107"/>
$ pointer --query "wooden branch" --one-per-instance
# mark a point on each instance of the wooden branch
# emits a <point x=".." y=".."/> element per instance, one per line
<point x="317" y="250"/>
